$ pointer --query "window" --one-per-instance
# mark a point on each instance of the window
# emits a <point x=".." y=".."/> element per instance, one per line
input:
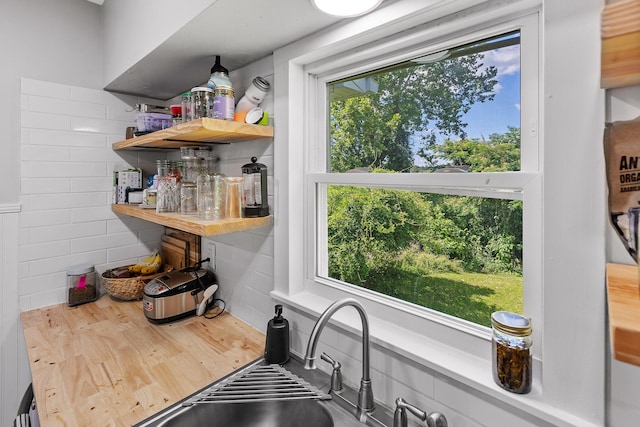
<point x="470" y="192"/>
<point x="566" y="219"/>
<point x="452" y="111"/>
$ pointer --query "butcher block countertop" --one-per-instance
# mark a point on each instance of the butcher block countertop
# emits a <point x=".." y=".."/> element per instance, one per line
<point x="104" y="364"/>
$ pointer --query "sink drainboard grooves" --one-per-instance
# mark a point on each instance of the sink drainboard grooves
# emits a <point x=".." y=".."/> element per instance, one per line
<point x="259" y="383"/>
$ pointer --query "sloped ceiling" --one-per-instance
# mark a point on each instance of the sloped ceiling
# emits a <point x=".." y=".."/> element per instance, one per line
<point x="236" y="30"/>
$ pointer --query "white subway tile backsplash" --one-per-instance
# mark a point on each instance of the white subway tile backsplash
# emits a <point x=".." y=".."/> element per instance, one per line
<point x="67" y="107"/>
<point x="47" y="121"/>
<point x="121" y="111"/>
<point x="262" y="284"/>
<point x="90" y="154"/>
<point x="83" y="124"/>
<point x="65" y="200"/>
<point x="119" y="225"/>
<point x="67" y="231"/>
<point x="151" y="234"/>
<point x="93" y="213"/>
<point x="43" y="299"/>
<point x="263" y="265"/>
<point x="24" y="102"/>
<point x="45" y="185"/>
<point x="122" y="255"/>
<point x="42" y="283"/>
<point x="479" y="408"/>
<point x="64" y="138"/>
<point x="66" y="178"/>
<point x="84" y="185"/>
<point x="34" y="153"/>
<point x="64" y="169"/>
<point x="30" y="219"/>
<point x="38" y="251"/>
<point x="83" y="94"/>
<point x="45" y="89"/>
<point x="94" y="243"/>
<point x="54" y="264"/>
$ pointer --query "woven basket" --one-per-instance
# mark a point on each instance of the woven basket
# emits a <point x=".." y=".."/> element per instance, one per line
<point x="130" y="288"/>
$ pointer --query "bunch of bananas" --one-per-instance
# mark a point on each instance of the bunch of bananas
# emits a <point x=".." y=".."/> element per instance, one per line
<point x="149" y="265"/>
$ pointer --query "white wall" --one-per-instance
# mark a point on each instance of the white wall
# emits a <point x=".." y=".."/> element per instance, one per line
<point x="57" y="41"/>
<point x="624" y="378"/>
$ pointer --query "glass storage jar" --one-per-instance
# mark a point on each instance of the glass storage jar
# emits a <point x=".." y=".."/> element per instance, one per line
<point x="212" y="195"/>
<point x="81" y="284"/>
<point x="511" y="350"/>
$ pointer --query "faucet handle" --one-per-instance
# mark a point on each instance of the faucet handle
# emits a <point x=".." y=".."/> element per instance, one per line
<point x="434" y="419"/>
<point x="336" y="375"/>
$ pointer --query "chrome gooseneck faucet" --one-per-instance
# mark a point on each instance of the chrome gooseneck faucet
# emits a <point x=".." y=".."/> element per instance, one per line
<point x="365" y="395"/>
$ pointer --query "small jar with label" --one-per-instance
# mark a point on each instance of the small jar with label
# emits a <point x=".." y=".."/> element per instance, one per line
<point x="223" y="103"/>
<point x="511" y="350"/>
<point x="81" y="284"/>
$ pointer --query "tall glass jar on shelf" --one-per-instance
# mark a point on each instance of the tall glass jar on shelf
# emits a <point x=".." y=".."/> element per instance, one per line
<point x="168" y="196"/>
<point x="212" y="192"/>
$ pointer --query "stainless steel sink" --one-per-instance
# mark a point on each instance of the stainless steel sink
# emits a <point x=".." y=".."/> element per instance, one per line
<point x="260" y="395"/>
<point x="281" y="413"/>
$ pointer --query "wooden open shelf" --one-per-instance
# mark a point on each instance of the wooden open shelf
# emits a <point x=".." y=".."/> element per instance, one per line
<point x="623" y="298"/>
<point x="197" y="132"/>
<point x="193" y="225"/>
<point x="620" y="51"/>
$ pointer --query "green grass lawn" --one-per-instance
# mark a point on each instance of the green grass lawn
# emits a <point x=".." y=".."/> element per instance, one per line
<point x="470" y="296"/>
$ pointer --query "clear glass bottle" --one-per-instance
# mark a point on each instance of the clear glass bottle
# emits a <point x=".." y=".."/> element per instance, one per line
<point x="187" y="113"/>
<point x="511" y="350"/>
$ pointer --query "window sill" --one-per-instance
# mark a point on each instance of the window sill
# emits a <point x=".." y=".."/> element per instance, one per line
<point x="466" y="368"/>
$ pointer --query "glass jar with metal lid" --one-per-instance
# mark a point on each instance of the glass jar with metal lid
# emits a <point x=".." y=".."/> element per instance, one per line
<point x="202" y="102"/>
<point x="511" y="350"/>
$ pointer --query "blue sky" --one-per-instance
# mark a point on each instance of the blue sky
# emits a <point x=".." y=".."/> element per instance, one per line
<point x="494" y="117"/>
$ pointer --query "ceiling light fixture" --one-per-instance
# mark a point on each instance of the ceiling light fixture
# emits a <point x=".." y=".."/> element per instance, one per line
<point x="346" y="8"/>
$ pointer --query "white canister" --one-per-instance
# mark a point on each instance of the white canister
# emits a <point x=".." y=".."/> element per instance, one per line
<point x="254" y="95"/>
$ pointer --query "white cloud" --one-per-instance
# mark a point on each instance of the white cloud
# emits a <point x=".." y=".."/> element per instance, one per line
<point x="517" y="106"/>
<point x="506" y="60"/>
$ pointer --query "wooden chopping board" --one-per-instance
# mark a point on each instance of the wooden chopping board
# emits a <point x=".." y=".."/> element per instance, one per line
<point x="193" y="241"/>
<point x="174" y="255"/>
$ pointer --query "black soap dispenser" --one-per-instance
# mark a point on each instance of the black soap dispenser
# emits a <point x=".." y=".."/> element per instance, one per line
<point x="277" y="346"/>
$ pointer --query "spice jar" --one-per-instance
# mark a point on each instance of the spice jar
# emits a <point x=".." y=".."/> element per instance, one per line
<point x="511" y="350"/>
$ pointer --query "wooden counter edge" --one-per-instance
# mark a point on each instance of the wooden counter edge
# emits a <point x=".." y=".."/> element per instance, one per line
<point x="623" y="299"/>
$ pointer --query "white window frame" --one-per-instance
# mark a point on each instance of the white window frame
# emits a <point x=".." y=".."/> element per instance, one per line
<point x="451" y="348"/>
<point x="523" y="185"/>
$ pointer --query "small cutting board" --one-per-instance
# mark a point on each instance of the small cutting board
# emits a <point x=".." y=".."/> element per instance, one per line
<point x="174" y="255"/>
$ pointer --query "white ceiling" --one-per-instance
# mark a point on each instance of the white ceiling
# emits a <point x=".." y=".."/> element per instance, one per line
<point x="241" y="35"/>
